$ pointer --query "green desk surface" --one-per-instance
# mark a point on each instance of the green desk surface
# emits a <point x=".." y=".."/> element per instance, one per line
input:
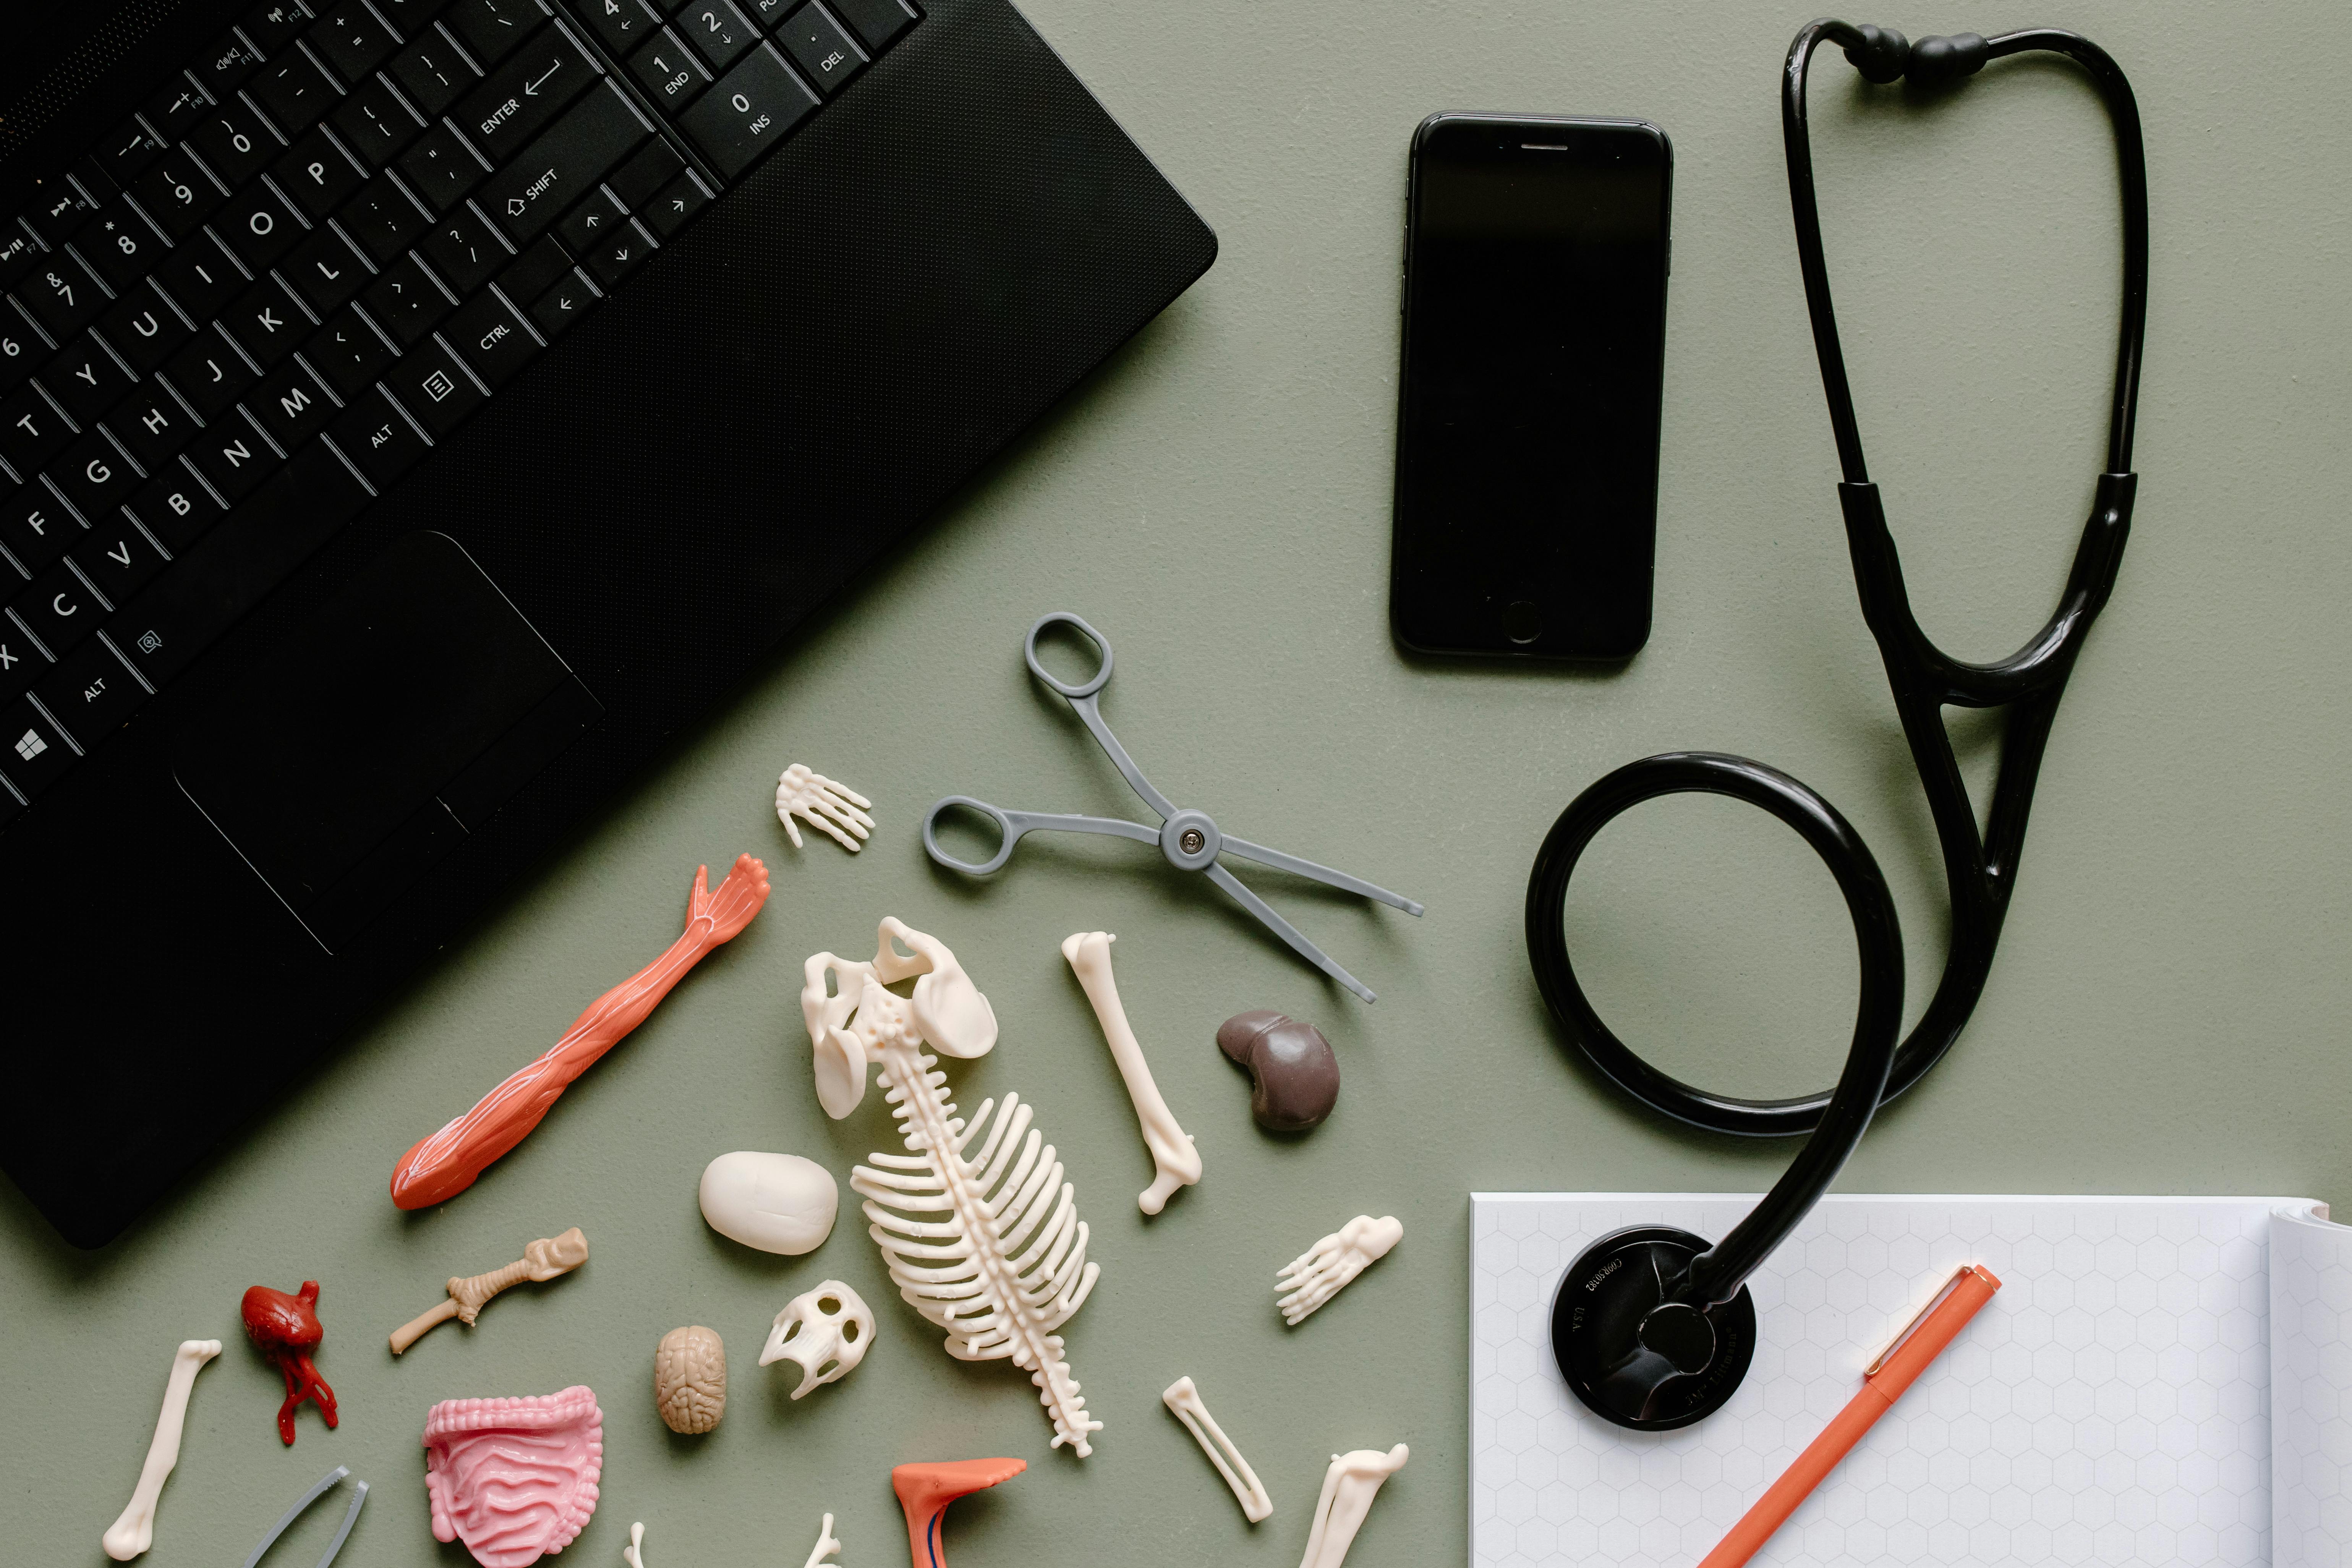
<point x="2166" y="1015"/>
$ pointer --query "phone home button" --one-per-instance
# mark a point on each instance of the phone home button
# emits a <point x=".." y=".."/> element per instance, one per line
<point x="1522" y="621"/>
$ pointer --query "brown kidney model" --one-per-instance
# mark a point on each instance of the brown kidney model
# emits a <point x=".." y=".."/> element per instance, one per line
<point x="1296" y="1076"/>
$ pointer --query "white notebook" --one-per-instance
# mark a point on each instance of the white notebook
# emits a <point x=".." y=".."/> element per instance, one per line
<point x="2159" y="1381"/>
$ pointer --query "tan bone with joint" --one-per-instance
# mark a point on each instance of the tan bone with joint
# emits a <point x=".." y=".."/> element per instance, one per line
<point x="542" y="1260"/>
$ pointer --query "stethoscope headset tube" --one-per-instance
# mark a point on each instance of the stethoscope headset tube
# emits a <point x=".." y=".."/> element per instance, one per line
<point x="1652" y="1327"/>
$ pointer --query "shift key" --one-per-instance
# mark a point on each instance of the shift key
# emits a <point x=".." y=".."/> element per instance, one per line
<point x="563" y="165"/>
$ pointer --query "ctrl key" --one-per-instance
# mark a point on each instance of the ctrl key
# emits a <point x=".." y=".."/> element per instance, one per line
<point x="32" y="754"/>
<point x="753" y="107"/>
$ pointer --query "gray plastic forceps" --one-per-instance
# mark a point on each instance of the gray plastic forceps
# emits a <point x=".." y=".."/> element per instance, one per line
<point x="1189" y="838"/>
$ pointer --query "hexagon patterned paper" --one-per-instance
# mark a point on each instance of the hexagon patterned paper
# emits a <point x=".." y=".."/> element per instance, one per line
<point x="2110" y="1406"/>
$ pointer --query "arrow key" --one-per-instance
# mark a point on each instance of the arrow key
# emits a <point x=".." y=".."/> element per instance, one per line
<point x="620" y="254"/>
<point x="675" y="204"/>
<point x="564" y="303"/>
<point x="584" y="228"/>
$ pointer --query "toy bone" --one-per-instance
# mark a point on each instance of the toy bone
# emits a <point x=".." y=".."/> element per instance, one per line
<point x="827" y="1543"/>
<point x="833" y="809"/>
<point x="1185" y="1399"/>
<point x="544" y="1259"/>
<point x="825" y="1330"/>
<point x="1172" y="1154"/>
<point x="135" y="1532"/>
<point x="1007" y="1266"/>
<point x="445" y="1164"/>
<point x="1317" y="1274"/>
<point x="1348" y="1488"/>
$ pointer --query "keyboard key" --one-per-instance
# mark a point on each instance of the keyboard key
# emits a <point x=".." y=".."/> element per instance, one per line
<point x="373" y="123"/>
<point x="95" y="476"/>
<point x="58" y="211"/>
<point x="540" y="264"/>
<point x="323" y="269"/>
<point x="21" y="663"/>
<point x="519" y="99"/>
<point x="294" y="93"/>
<point x="18" y="255"/>
<point x="618" y="254"/>
<point x="32" y="754"/>
<point x="565" y="301"/>
<point x="669" y="212"/>
<point x="119" y="246"/>
<point x="316" y="176"/>
<point x="176" y="509"/>
<point x="492" y="29"/>
<point x="290" y="405"/>
<point x="496" y="343"/>
<point x="257" y="225"/>
<point x="143" y="328"/>
<point x="378" y="439"/>
<point x="720" y="33"/>
<point x="116" y="557"/>
<point x="265" y="322"/>
<point x="753" y="107"/>
<point x="768" y="13"/>
<point x="90" y="694"/>
<point x="409" y="17"/>
<point x="275" y="24"/>
<point x="819" y="46"/>
<point x="175" y="107"/>
<point x="876" y="22"/>
<point x="20" y="349"/>
<point x="152" y="425"/>
<point x="621" y="24"/>
<point x="637" y="180"/>
<point x="85" y="380"/>
<point x="563" y="165"/>
<point x="463" y="251"/>
<point x="352" y="40"/>
<point x="406" y="301"/>
<point x="226" y="65"/>
<point x="32" y="431"/>
<point x="584" y="228"/>
<point x="59" y="608"/>
<point x="233" y="459"/>
<point x="36" y="528"/>
<point x="348" y="353"/>
<point x="232" y="143"/>
<point x="130" y="150"/>
<point x="671" y="74"/>
<point x="433" y="74"/>
<point x="62" y="296"/>
<point x="434" y="389"/>
<point x="199" y="278"/>
<point x="383" y="219"/>
<point x="209" y="375"/>
<point x="178" y="194"/>
<point x="440" y="169"/>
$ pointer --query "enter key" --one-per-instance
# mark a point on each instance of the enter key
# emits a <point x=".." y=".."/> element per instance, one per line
<point x="522" y="97"/>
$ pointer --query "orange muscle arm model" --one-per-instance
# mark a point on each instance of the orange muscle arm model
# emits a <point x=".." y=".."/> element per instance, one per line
<point x="445" y="1163"/>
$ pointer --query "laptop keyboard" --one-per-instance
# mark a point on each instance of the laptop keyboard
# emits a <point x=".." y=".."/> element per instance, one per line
<point x="320" y="247"/>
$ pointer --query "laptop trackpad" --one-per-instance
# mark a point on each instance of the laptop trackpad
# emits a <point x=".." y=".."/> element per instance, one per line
<point x="394" y="722"/>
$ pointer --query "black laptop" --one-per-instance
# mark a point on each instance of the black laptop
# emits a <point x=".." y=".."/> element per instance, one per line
<point x="416" y="415"/>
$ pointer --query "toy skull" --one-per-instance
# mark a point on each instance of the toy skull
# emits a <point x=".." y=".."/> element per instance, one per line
<point x="826" y="1331"/>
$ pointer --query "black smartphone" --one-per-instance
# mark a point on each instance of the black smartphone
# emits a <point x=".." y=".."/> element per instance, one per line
<point x="1535" y="340"/>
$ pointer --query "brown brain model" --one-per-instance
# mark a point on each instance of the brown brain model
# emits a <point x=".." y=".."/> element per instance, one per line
<point x="690" y="1380"/>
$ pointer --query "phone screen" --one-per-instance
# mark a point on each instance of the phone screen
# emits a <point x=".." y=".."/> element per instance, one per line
<point x="1535" y="316"/>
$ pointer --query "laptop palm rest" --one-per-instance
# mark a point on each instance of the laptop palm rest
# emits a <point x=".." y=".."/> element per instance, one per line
<point x="392" y="723"/>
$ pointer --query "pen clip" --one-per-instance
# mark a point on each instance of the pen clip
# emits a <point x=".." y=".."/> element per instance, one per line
<point x="1918" y="1318"/>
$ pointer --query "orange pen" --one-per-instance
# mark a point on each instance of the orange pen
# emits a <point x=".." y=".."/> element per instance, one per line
<point x="1883" y="1383"/>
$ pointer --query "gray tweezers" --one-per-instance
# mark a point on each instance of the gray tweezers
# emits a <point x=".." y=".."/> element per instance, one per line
<point x="324" y="1484"/>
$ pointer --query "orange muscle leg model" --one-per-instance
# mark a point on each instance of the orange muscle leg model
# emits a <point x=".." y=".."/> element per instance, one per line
<point x="445" y="1163"/>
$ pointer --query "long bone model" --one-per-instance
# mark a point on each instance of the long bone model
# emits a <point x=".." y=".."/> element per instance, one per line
<point x="1006" y="1264"/>
<point x="542" y="1260"/>
<point x="135" y="1532"/>
<point x="443" y="1165"/>
<point x="1348" y="1488"/>
<point x="1172" y="1154"/>
<point x="1183" y="1397"/>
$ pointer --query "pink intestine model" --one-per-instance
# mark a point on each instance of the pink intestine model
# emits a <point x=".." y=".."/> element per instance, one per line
<point x="514" y="1479"/>
<point x="445" y="1163"/>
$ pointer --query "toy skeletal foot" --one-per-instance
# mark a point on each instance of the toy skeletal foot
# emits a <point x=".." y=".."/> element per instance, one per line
<point x="1348" y="1488"/>
<point x="1185" y="1400"/>
<point x="832" y="809"/>
<point x="1172" y="1153"/>
<point x="542" y="1260"/>
<point x="925" y="1490"/>
<point x="827" y="1543"/>
<point x="135" y="1532"/>
<point x="1316" y="1275"/>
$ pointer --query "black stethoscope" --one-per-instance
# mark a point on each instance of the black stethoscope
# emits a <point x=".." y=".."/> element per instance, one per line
<point x="1652" y="1327"/>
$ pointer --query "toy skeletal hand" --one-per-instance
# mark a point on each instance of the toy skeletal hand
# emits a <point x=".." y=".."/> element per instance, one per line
<point x="833" y="809"/>
<point x="542" y="1260"/>
<point x="447" y="1162"/>
<point x="1317" y="1274"/>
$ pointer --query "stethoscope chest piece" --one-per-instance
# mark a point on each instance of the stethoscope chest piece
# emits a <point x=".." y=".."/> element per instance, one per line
<point x="1632" y="1353"/>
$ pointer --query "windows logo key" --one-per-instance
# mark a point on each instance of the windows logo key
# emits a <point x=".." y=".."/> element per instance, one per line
<point x="30" y="745"/>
